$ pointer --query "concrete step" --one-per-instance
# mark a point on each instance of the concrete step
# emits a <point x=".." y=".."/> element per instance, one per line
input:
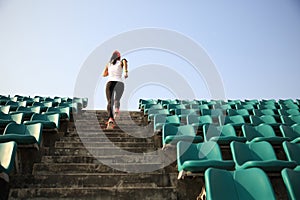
<point x="95" y="193"/>
<point x="102" y="144"/>
<point x="105" y="139"/>
<point x="63" y="168"/>
<point x="79" y="180"/>
<point x="104" y="159"/>
<point x="112" y="133"/>
<point x="102" y="151"/>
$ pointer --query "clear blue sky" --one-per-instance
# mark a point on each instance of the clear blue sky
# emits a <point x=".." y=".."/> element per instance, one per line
<point x="255" y="45"/>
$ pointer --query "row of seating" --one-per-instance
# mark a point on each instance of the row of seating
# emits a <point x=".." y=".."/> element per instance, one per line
<point x="251" y="139"/>
<point x="197" y="157"/>
<point x="229" y="104"/>
<point x="9" y="104"/>
<point x="225" y="134"/>
<point x="252" y="183"/>
<point x="237" y="120"/>
<point x="32" y="130"/>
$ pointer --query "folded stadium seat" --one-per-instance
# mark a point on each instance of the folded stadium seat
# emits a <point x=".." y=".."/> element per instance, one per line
<point x="74" y="108"/>
<point x="291" y="179"/>
<point x="267" y="101"/>
<point x="288" y="112"/>
<point x="261" y="112"/>
<point x="222" y="106"/>
<point x="160" y="120"/>
<point x="143" y="102"/>
<point x="248" y="107"/>
<point x="183" y="113"/>
<point x="198" y="121"/>
<point x="4" y="100"/>
<point x="291" y="132"/>
<point x="213" y="113"/>
<point x="28" y="139"/>
<point x="50" y="121"/>
<point x="292" y="151"/>
<point x="4" y="109"/>
<point x="173" y="107"/>
<point x="242" y="112"/>
<point x="262" y="132"/>
<point x="5" y="119"/>
<point x="29" y="101"/>
<point x="223" y="135"/>
<point x="267" y="106"/>
<point x="147" y="107"/>
<point x="44" y="105"/>
<point x="243" y="184"/>
<point x="28" y="111"/>
<point x="236" y="121"/>
<point x="39" y="99"/>
<point x="153" y="112"/>
<point x="252" y="101"/>
<point x="7" y="158"/>
<point x="289" y="106"/>
<point x="14" y="105"/>
<point x="265" y="119"/>
<point x="66" y="99"/>
<point x="79" y="102"/>
<point x="258" y="154"/>
<point x="298" y="101"/>
<point x="196" y="158"/>
<point x="23" y="134"/>
<point x="64" y="116"/>
<point x="57" y="99"/>
<point x="198" y="106"/>
<point x="54" y="103"/>
<point x="171" y="135"/>
<point x="290" y="120"/>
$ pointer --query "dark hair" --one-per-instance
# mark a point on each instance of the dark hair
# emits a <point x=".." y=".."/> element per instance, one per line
<point x="115" y="56"/>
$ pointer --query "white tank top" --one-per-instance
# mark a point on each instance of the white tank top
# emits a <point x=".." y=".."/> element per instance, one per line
<point x="115" y="72"/>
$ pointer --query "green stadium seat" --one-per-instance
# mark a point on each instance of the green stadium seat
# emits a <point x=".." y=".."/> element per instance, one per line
<point x="213" y="113"/>
<point x="198" y="121"/>
<point x="7" y="158"/>
<point x="4" y="109"/>
<point x="267" y="106"/>
<point x="242" y="112"/>
<point x="143" y="102"/>
<point x="160" y="120"/>
<point x="258" y="154"/>
<point x="198" y="106"/>
<point x="288" y="112"/>
<point x="148" y="107"/>
<point x="292" y="151"/>
<point x="262" y="112"/>
<point x="223" y="135"/>
<point x="246" y="184"/>
<point x="172" y="134"/>
<point x="264" y="119"/>
<point x="173" y="107"/>
<point x="291" y="132"/>
<point x="183" y="113"/>
<point x="196" y="158"/>
<point x="23" y="134"/>
<point x="291" y="179"/>
<point x="44" y="105"/>
<point x="153" y="112"/>
<point x="262" y="132"/>
<point x="236" y="120"/>
<point x="28" y="111"/>
<point x="290" y="120"/>
<point x="49" y="121"/>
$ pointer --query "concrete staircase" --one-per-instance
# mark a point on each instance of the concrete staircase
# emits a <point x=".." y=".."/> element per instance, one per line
<point x="94" y="163"/>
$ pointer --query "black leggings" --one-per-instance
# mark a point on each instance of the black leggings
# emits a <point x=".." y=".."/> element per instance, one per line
<point x="114" y="91"/>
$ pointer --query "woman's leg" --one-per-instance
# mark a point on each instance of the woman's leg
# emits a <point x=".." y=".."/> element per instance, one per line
<point x="119" y="88"/>
<point x="110" y="98"/>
